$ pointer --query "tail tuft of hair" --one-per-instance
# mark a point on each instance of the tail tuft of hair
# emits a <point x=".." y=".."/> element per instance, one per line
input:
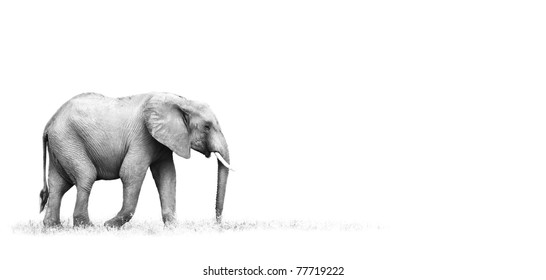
<point x="44" y="195"/>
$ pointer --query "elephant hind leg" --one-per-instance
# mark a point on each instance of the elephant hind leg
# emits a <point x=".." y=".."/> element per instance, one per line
<point x="81" y="211"/>
<point x="86" y="176"/>
<point x="132" y="173"/>
<point x="58" y="186"/>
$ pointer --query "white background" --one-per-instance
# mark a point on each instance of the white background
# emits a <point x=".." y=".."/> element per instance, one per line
<point x="423" y="121"/>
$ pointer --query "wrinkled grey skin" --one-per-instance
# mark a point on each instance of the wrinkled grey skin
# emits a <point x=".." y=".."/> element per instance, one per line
<point x="93" y="137"/>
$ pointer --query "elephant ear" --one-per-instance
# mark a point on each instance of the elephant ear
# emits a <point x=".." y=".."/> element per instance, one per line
<point x="166" y="123"/>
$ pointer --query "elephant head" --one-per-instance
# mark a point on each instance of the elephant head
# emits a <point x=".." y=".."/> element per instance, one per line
<point x="181" y="125"/>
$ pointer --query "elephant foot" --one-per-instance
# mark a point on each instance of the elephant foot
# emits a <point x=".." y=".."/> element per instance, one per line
<point x="170" y="220"/>
<point x="82" y="221"/>
<point x="83" y="224"/>
<point x="52" y="224"/>
<point x="172" y="224"/>
<point x="117" y="221"/>
<point x="114" y="223"/>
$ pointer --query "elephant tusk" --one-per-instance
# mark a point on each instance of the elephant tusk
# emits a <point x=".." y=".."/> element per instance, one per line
<point x="223" y="161"/>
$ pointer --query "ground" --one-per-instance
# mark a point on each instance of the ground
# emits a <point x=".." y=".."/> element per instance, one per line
<point x="151" y="228"/>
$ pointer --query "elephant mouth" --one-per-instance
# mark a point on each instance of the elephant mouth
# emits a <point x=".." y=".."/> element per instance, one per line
<point x="202" y="150"/>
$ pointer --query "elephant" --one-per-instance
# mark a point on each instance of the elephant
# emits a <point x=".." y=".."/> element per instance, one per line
<point x="93" y="137"/>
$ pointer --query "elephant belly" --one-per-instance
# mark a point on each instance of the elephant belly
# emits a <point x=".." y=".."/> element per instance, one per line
<point x="105" y="172"/>
<point x="107" y="161"/>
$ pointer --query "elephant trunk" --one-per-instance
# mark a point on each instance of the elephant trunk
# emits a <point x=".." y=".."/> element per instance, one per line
<point x="223" y="173"/>
<point x="222" y="154"/>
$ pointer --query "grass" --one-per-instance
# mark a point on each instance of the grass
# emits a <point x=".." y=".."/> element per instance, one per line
<point x="198" y="226"/>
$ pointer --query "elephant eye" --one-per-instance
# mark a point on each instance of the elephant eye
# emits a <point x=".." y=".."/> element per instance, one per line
<point x="207" y="127"/>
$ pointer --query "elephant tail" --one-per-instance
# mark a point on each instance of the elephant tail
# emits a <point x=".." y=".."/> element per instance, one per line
<point x="44" y="194"/>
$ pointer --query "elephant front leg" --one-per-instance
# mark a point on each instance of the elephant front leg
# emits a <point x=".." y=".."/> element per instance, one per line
<point x="132" y="175"/>
<point x="164" y="175"/>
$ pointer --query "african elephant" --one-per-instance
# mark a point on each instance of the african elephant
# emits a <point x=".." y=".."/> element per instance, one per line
<point x="93" y="137"/>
